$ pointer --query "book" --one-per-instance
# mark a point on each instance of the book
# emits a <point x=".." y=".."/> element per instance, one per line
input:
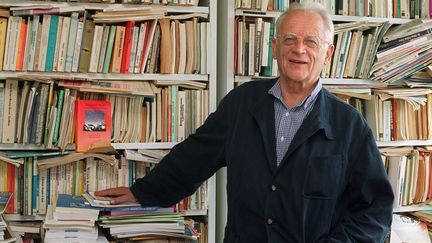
<point x="86" y="46"/>
<point x="73" y="204"/>
<point x="109" y="49"/>
<point x="95" y="49"/>
<point x="142" y="88"/>
<point x="3" y="32"/>
<point x="43" y="45"/>
<point x="117" y="50"/>
<point x="54" y="161"/>
<point x="105" y="202"/>
<point x="5" y="197"/>
<point x="71" y="41"/>
<point x="93" y="123"/>
<point x="127" y="47"/>
<point x="10" y="110"/>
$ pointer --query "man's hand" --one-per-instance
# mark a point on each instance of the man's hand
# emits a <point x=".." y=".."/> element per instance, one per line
<point x="118" y="194"/>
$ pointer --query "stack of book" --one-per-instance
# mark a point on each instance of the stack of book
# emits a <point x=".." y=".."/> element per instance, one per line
<point x="131" y="222"/>
<point x="420" y="79"/>
<point x="6" y="235"/>
<point x="405" y="49"/>
<point x="71" y="219"/>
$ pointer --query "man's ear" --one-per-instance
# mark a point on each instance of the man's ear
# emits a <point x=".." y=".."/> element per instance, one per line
<point x="274" y="49"/>
<point x="329" y="53"/>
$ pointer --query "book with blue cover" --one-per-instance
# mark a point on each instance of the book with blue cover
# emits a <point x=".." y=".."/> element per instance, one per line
<point x="74" y="204"/>
<point x="5" y="197"/>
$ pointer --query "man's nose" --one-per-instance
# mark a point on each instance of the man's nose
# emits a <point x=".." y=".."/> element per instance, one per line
<point x="299" y="46"/>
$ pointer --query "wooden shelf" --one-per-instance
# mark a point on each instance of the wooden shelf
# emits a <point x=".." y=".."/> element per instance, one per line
<point x="105" y="76"/>
<point x="405" y="143"/>
<point x="20" y="146"/>
<point x="98" y="6"/>
<point x="326" y="81"/>
<point x="336" y="18"/>
<point x="344" y="18"/>
<point x="143" y="145"/>
<point x="412" y="208"/>
<point x="257" y="13"/>
<point x="197" y="212"/>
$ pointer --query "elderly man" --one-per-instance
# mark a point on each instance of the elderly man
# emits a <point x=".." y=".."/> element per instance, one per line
<point x="302" y="165"/>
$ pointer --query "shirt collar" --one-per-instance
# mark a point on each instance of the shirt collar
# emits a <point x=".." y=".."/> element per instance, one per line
<point x="305" y="103"/>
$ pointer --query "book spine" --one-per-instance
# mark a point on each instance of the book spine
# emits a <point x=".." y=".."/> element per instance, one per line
<point x="101" y="60"/>
<point x="11" y="178"/>
<point x="2" y="101"/>
<point x="140" y="46"/>
<point x="77" y="47"/>
<point x="42" y="195"/>
<point x="134" y="50"/>
<point x="41" y="114"/>
<point x="10" y="110"/>
<point x="109" y="51"/>
<point x="3" y="34"/>
<point x="57" y="43"/>
<point x="127" y="48"/>
<point x="71" y="41"/>
<point x="95" y="48"/>
<point x="58" y="115"/>
<point x="15" y="42"/>
<point x="65" y="30"/>
<point x="21" y="46"/>
<point x="7" y="44"/>
<point x="117" y="50"/>
<point x="32" y="48"/>
<point x="86" y="45"/>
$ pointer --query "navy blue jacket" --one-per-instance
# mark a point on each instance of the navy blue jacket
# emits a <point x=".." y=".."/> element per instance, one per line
<point x="330" y="187"/>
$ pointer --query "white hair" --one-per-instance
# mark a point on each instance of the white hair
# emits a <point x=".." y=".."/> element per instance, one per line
<point x="309" y="7"/>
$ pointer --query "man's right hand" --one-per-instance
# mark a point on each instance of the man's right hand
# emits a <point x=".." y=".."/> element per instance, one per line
<point x="118" y="194"/>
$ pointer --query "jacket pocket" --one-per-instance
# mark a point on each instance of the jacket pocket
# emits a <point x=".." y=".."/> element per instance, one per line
<point x="323" y="177"/>
<point x="230" y="235"/>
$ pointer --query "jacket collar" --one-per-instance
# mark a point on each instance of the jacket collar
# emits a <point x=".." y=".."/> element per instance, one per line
<point x="318" y="119"/>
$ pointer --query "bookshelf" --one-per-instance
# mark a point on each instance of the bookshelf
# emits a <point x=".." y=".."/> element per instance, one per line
<point x="208" y="77"/>
<point x="228" y="12"/>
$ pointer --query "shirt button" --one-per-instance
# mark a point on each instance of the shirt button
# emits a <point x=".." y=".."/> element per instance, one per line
<point x="287" y="114"/>
<point x="273" y="188"/>
<point x="282" y="138"/>
<point x="269" y="221"/>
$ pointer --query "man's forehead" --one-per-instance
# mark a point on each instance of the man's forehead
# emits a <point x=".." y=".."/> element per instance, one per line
<point x="306" y="21"/>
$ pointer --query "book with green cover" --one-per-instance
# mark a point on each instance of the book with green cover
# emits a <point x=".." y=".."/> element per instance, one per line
<point x="49" y="63"/>
<point x="12" y="154"/>
<point x="109" y="49"/>
<point x="58" y="115"/>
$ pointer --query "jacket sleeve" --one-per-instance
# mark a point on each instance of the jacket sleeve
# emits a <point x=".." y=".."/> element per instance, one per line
<point x="370" y="206"/>
<point x="189" y="163"/>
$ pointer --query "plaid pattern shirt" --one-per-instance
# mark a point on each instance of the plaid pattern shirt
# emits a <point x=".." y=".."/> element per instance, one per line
<point x="289" y="120"/>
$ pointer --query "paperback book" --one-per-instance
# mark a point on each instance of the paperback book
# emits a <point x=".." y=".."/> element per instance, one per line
<point x="93" y="124"/>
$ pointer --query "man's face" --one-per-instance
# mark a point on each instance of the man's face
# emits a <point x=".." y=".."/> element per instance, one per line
<point x="301" y="47"/>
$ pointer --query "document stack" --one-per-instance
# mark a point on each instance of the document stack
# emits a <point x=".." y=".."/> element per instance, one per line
<point x="131" y="222"/>
<point x="71" y="220"/>
<point x="6" y="235"/>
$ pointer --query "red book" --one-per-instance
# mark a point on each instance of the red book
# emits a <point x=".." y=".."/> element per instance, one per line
<point x="11" y="187"/>
<point x="127" y="47"/>
<point x="394" y="115"/>
<point x="93" y="124"/>
<point x="21" y="45"/>
<point x="236" y="57"/>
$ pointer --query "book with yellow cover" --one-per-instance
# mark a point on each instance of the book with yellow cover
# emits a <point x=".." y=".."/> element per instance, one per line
<point x="3" y="29"/>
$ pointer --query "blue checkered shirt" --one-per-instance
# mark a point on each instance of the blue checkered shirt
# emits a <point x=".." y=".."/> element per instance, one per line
<point x="289" y="120"/>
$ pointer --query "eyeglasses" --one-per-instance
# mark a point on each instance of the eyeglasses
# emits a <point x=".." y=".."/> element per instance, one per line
<point x="288" y="39"/>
